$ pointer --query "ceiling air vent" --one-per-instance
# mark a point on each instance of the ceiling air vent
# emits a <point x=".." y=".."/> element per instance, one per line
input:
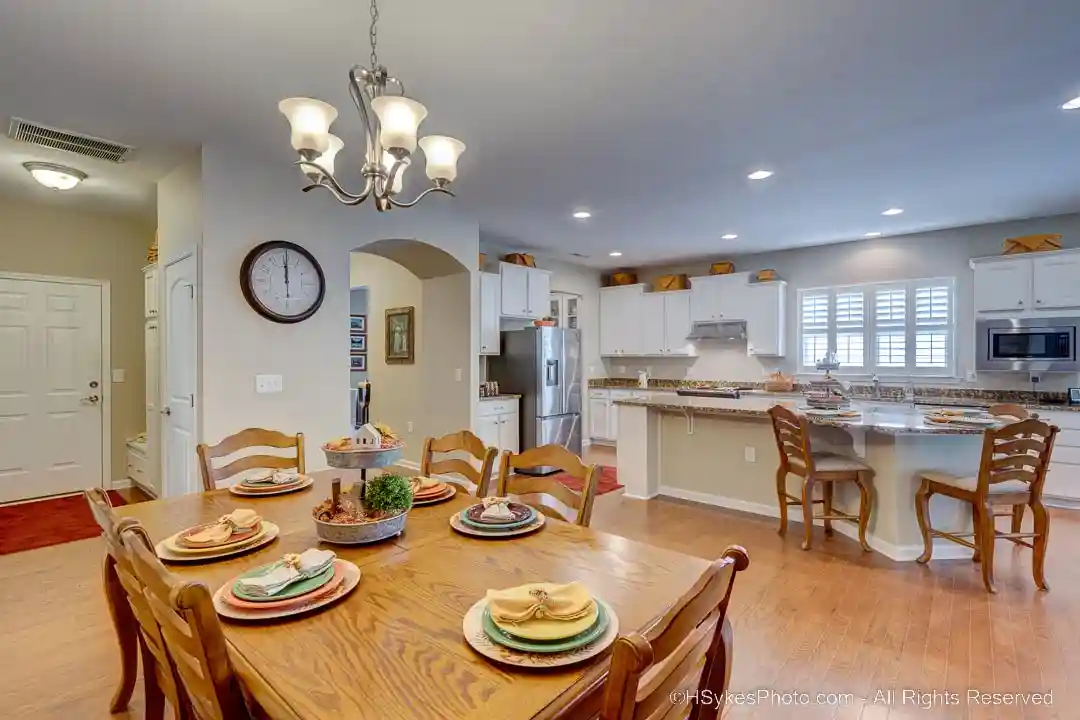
<point x="26" y="131"/>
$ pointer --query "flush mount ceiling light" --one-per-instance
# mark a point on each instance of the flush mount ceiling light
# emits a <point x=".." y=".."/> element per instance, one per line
<point x="760" y="174"/>
<point x="872" y="234"/>
<point x="615" y="253"/>
<point x="53" y="176"/>
<point x="582" y="214"/>
<point x="390" y="124"/>
<point x="1073" y="104"/>
<point x="893" y="211"/>
<point x="729" y="236"/>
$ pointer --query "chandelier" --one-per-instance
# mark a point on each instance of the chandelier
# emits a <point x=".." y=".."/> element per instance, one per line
<point x="390" y="122"/>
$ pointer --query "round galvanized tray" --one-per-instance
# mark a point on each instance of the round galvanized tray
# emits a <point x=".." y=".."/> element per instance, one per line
<point x="360" y="533"/>
<point x="363" y="459"/>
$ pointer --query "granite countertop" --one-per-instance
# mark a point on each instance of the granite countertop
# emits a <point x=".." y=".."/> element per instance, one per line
<point x="896" y="421"/>
<point x="501" y="396"/>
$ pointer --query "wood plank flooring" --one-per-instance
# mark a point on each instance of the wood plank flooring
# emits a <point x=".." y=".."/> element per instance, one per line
<point x="831" y="620"/>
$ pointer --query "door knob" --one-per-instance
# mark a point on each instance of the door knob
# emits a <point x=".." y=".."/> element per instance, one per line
<point x="167" y="411"/>
<point x="92" y="399"/>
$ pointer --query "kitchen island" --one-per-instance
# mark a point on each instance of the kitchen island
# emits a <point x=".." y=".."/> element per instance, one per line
<point x="721" y="451"/>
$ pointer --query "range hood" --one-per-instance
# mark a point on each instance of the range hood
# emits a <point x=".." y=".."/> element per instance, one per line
<point x="718" y="330"/>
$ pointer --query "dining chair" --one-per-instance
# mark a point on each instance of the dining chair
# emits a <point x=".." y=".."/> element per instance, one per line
<point x="474" y="480"/>
<point x="1014" y="412"/>
<point x="689" y="649"/>
<point x="1012" y="470"/>
<point x="546" y="494"/>
<point x="192" y="634"/>
<point x="797" y="457"/>
<point x="137" y="631"/>
<point x="244" y="440"/>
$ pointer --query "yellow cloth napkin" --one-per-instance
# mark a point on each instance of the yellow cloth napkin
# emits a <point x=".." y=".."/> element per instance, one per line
<point x="423" y="483"/>
<point x="540" y="601"/>
<point x="236" y="521"/>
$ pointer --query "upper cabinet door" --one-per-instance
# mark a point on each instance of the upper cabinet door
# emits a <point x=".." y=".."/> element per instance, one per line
<point x="1003" y="285"/>
<point x="765" y="318"/>
<point x="732" y="296"/>
<point x="703" y="305"/>
<point x="677" y="323"/>
<point x="652" y="324"/>
<point x="1057" y="282"/>
<point x="514" y="290"/>
<point x="150" y="291"/>
<point x="489" y="314"/>
<point x="609" y="322"/>
<point x="539" y="293"/>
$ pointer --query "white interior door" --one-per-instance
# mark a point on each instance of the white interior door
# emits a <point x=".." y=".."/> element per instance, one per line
<point x="51" y="388"/>
<point x="180" y="378"/>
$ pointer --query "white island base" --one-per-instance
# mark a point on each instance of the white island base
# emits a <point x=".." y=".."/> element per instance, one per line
<point x="722" y="452"/>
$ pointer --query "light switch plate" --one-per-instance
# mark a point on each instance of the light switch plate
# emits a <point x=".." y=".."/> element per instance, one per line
<point x="268" y="384"/>
<point x="750" y="454"/>
<point x="457" y="374"/>
<point x="118" y="375"/>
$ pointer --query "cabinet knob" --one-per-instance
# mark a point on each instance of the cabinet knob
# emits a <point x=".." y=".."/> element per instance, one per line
<point x="1021" y="302"/>
<point x="1038" y="302"/>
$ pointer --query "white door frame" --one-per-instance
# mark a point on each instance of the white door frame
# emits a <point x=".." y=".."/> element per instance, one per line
<point x="106" y="359"/>
<point x="163" y="321"/>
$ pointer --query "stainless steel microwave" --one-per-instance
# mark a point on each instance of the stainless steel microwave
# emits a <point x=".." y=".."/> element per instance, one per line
<point x="1027" y="345"/>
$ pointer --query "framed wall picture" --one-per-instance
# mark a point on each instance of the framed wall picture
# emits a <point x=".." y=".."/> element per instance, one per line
<point x="358" y="363"/>
<point x="400" y="335"/>
<point x="357" y="344"/>
<point x="357" y="324"/>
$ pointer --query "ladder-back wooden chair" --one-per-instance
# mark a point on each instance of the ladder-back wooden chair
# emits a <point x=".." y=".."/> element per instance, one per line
<point x="137" y="630"/>
<point x="475" y="481"/>
<point x="243" y="440"/>
<point x="192" y="633"/>
<point x="1014" y="412"/>
<point x="546" y="494"/>
<point x="689" y="649"/>
<point x="792" y="433"/>
<point x="1012" y="471"/>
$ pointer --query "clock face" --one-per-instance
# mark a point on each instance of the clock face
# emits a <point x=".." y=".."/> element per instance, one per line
<point x="282" y="281"/>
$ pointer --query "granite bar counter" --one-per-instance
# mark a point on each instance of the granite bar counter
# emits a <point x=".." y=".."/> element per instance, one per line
<point x="721" y="451"/>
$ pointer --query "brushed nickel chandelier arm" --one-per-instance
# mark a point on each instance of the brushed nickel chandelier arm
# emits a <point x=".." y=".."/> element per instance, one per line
<point x="421" y="196"/>
<point x="328" y="181"/>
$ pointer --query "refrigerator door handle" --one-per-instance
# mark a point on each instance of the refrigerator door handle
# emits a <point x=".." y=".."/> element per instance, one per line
<point x="551" y="373"/>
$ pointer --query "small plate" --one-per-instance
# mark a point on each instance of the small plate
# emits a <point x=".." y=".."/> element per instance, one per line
<point x="224" y="609"/>
<point x="329" y="587"/>
<point x="300" y="587"/>
<point x="536" y="524"/>
<point x="451" y="491"/>
<point x="166" y="553"/>
<point x="473" y="627"/>
<point x="237" y="537"/>
<point x="585" y="637"/>
<point x="176" y="548"/>
<point x="237" y="490"/>
<point x="494" y="527"/>
<point x="519" y="510"/>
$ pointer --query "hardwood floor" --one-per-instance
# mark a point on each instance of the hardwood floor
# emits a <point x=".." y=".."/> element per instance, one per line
<point x="831" y="620"/>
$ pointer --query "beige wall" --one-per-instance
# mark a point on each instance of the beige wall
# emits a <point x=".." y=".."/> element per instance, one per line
<point x="46" y="240"/>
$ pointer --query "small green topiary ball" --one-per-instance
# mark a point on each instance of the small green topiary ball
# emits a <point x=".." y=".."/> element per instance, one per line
<point x="388" y="493"/>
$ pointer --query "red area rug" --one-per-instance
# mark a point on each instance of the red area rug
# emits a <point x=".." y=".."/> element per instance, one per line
<point x="608" y="480"/>
<point x="42" y="523"/>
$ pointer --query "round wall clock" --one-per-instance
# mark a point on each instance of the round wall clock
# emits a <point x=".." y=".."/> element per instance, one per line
<point x="282" y="281"/>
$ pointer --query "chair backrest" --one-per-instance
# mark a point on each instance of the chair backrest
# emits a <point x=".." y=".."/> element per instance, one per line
<point x="688" y="649"/>
<point x="1010" y="410"/>
<point x="792" y="440"/>
<point x="121" y="566"/>
<point x="189" y="625"/>
<point x="250" y="438"/>
<point x="546" y="494"/>
<point x="1017" y="451"/>
<point x="475" y="480"/>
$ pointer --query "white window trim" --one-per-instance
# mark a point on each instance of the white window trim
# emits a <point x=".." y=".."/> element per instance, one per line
<point x="869" y="327"/>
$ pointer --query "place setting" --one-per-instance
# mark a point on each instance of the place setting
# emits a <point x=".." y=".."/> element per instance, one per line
<point x="960" y="416"/>
<point x="291" y="585"/>
<point x="497" y="517"/>
<point x="428" y="491"/>
<point x="540" y="625"/>
<point x="231" y="534"/>
<point x="271" y="482"/>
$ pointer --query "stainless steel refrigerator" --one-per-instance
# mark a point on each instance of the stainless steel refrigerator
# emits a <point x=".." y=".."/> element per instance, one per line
<point x="543" y="365"/>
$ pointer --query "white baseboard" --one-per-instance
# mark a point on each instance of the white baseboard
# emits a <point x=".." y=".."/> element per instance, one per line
<point x="121" y="483"/>
<point x="1056" y="501"/>
<point x="943" y="549"/>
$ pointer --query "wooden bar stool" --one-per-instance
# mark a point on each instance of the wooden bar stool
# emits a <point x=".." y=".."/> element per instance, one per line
<point x="1011" y="472"/>
<point x="796" y="458"/>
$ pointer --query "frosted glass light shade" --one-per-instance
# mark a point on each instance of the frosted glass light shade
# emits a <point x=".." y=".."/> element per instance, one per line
<point x="399" y="181"/>
<point x="442" y="154"/>
<point x="310" y="121"/>
<point x="399" y="118"/>
<point x="326" y="160"/>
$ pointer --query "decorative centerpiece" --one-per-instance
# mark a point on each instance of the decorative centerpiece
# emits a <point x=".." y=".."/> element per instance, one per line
<point x="827" y="393"/>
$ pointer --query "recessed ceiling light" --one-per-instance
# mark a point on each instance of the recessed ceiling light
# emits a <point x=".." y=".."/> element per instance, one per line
<point x="872" y="234"/>
<point x="53" y="176"/>
<point x="893" y="211"/>
<point x="582" y="214"/>
<point x="760" y="174"/>
<point x="1073" y="104"/>
<point x="729" y="236"/>
<point x="615" y="253"/>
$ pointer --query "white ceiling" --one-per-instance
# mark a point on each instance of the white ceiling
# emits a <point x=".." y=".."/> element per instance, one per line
<point x="648" y="113"/>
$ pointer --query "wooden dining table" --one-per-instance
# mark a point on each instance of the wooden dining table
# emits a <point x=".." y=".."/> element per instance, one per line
<point x="394" y="647"/>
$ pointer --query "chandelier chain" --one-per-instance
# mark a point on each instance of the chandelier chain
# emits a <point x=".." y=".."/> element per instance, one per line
<point x="373" y="34"/>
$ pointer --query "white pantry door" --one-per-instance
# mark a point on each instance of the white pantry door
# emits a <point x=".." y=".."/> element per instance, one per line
<point x="180" y="379"/>
<point x="51" y="392"/>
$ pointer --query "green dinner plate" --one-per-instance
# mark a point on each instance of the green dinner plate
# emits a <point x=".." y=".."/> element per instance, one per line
<point x="501" y="637"/>
<point x="296" y="589"/>
<point x="497" y="527"/>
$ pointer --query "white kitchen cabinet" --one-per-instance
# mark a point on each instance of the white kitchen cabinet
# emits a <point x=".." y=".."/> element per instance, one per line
<point x="653" y="340"/>
<point x="677" y="323"/>
<point x="150" y="291"/>
<point x="718" y="297"/>
<point x="1063" y="475"/>
<point x="1056" y="281"/>
<point x="487" y="429"/>
<point x="1003" y="285"/>
<point x="499" y="422"/>
<point x="509" y="433"/>
<point x="489" y="314"/>
<point x="765" y="327"/>
<point x="621" y="326"/>
<point x="525" y="292"/>
<point x="598" y="417"/>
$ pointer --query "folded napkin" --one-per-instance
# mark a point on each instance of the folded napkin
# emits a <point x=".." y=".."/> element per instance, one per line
<point x="424" y="483"/>
<point x="290" y="569"/>
<point x="280" y="477"/>
<point x="497" y="508"/>
<point x="540" y="601"/>
<point x="237" y="521"/>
